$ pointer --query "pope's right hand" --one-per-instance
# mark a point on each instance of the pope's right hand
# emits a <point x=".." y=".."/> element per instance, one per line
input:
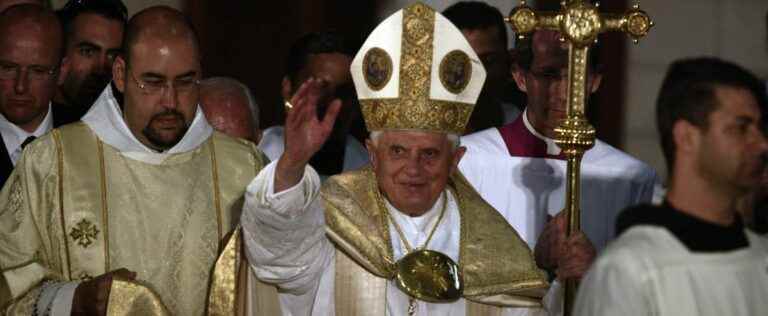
<point x="91" y="297"/>
<point x="305" y="134"/>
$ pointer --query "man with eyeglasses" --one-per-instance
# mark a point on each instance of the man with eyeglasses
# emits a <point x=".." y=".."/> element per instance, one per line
<point x="93" y="31"/>
<point x="128" y="210"/>
<point x="30" y="54"/>
<point x="520" y="170"/>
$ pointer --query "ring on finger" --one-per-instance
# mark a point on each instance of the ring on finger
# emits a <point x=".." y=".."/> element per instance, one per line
<point x="288" y="105"/>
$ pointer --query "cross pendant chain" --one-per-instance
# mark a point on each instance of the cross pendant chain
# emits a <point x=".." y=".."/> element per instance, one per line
<point x="411" y="306"/>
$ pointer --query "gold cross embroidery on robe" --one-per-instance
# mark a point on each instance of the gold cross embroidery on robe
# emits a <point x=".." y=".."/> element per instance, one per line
<point x="84" y="233"/>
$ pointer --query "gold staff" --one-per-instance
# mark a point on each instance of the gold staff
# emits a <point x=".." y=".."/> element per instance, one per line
<point x="580" y="23"/>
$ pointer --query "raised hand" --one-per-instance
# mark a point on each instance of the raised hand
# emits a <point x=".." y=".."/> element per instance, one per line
<point x="91" y="297"/>
<point x="305" y="134"/>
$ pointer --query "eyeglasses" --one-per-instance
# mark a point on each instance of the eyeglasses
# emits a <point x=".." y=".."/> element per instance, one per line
<point x="159" y="87"/>
<point x="11" y="71"/>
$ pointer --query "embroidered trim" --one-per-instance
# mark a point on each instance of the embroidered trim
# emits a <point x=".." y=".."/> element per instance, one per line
<point x="60" y="163"/>
<point x="104" y="205"/>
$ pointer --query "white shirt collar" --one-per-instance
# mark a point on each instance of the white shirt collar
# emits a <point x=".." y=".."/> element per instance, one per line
<point x="105" y="118"/>
<point x="13" y="135"/>
<point x="552" y="148"/>
<point x="417" y="224"/>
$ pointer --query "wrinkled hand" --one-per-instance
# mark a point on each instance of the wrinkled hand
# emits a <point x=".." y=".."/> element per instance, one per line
<point x="570" y="257"/>
<point x="91" y="297"/>
<point x="305" y="134"/>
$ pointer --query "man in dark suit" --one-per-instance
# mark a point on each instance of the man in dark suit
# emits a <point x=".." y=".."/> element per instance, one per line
<point x="31" y="45"/>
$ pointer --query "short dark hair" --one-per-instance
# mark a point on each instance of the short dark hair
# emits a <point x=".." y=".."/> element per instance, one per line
<point x="315" y="43"/>
<point x="523" y="54"/>
<point x="688" y="93"/>
<point x="110" y="9"/>
<point x="475" y="15"/>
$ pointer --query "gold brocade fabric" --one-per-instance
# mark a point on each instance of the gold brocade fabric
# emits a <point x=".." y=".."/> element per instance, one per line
<point x="87" y="209"/>
<point x="130" y="298"/>
<point x="497" y="265"/>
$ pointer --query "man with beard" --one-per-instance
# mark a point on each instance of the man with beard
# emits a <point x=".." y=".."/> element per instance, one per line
<point x="30" y="68"/>
<point x="692" y="255"/>
<point x="324" y="56"/>
<point x="93" y="33"/>
<point x="230" y="108"/>
<point x="128" y="209"/>
<point x="485" y="30"/>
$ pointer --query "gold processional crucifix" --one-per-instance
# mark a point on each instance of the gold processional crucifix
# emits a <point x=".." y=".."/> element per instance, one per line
<point x="579" y="22"/>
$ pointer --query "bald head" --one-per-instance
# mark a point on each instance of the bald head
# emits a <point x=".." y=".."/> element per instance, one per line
<point x="230" y="108"/>
<point x="32" y="21"/>
<point x="159" y="23"/>
<point x="5" y="4"/>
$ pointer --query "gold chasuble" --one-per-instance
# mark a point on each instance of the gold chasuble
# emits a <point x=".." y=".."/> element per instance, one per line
<point x="76" y="208"/>
<point x="496" y="264"/>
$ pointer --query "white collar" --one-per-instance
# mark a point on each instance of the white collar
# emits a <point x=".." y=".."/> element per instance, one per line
<point x="552" y="148"/>
<point x="415" y="224"/>
<point x="106" y="120"/>
<point x="13" y="135"/>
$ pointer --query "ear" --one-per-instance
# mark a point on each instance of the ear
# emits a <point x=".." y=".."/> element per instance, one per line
<point x="118" y="73"/>
<point x="286" y="89"/>
<point x="687" y="138"/>
<point x="371" y="152"/>
<point x="457" y="155"/>
<point x="595" y="79"/>
<point x="63" y="71"/>
<point x="520" y="79"/>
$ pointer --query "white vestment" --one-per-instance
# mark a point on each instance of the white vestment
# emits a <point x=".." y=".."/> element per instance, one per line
<point x="272" y="143"/>
<point x="528" y="190"/>
<point x="287" y="246"/>
<point x="647" y="271"/>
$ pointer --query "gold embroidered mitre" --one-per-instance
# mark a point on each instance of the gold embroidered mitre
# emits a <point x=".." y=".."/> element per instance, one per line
<point x="416" y="71"/>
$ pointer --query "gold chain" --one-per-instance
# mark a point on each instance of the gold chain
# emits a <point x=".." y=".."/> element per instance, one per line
<point x="431" y="233"/>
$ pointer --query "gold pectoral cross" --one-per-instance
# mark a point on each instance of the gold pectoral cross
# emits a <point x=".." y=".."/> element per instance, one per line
<point x="579" y="22"/>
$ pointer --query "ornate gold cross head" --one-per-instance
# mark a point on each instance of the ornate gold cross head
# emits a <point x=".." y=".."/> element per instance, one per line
<point x="84" y="233"/>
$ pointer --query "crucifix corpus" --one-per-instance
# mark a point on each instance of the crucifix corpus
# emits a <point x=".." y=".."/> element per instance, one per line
<point x="579" y="22"/>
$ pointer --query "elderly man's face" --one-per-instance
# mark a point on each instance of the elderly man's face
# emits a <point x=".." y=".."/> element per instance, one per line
<point x="91" y="49"/>
<point x="412" y="168"/>
<point x="160" y="83"/>
<point x="546" y="82"/>
<point x="29" y="65"/>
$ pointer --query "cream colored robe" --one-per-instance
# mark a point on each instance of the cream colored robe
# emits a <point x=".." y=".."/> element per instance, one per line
<point x="75" y="208"/>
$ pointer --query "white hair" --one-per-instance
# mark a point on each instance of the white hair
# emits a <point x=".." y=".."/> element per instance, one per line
<point x="231" y="83"/>
<point x="452" y="137"/>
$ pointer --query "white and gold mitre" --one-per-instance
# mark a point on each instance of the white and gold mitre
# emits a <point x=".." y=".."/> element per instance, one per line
<point x="416" y="71"/>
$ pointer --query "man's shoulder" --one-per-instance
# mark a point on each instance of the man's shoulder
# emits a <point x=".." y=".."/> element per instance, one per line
<point x="233" y="147"/>
<point x="487" y="141"/>
<point x="610" y="158"/>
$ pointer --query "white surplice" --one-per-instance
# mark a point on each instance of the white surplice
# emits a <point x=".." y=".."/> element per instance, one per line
<point x="286" y="245"/>
<point x="647" y="271"/>
<point x="528" y="190"/>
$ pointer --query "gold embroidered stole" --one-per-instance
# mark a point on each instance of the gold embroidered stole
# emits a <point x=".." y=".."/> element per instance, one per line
<point x="497" y="265"/>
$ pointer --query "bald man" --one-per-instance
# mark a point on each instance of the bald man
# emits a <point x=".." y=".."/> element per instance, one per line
<point x="128" y="210"/>
<point x="30" y="68"/>
<point x="230" y="108"/>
